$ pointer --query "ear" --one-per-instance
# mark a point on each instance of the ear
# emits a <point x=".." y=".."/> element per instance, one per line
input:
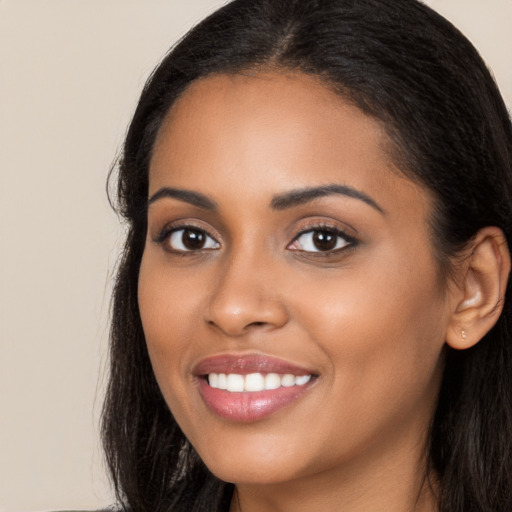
<point x="481" y="284"/>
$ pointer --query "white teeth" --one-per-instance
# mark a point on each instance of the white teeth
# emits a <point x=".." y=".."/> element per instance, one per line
<point x="213" y="380"/>
<point x="223" y="381"/>
<point x="235" y="382"/>
<point x="272" y="381"/>
<point x="303" y="379"/>
<point x="288" y="380"/>
<point x="255" y="381"/>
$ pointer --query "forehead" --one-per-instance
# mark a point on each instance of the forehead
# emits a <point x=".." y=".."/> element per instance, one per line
<point x="268" y="131"/>
<point x="290" y="105"/>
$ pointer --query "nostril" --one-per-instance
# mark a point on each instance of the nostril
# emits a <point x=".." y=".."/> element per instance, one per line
<point x="236" y="314"/>
<point x="256" y="324"/>
<point x="237" y="329"/>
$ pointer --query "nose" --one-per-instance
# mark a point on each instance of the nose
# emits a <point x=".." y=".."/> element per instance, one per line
<point x="246" y="298"/>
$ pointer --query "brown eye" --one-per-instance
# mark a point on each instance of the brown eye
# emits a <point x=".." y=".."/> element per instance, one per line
<point x="324" y="240"/>
<point x="191" y="239"/>
<point x="321" y="240"/>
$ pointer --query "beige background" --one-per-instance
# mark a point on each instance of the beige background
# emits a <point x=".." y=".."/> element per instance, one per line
<point x="70" y="73"/>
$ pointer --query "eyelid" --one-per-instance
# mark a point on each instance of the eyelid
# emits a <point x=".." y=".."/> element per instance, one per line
<point x="161" y="232"/>
<point x="165" y="233"/>
<point x="324" y="226"/>
<point x="168" y="229"/>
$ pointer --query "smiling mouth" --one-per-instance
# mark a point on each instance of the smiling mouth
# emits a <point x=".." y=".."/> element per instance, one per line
<point x="251" y="387"/>
<point x="254" y="382"/>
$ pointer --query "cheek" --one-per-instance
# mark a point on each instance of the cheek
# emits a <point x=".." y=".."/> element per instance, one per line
<point x="382" y="329"/>
<point x="163" y="310"/>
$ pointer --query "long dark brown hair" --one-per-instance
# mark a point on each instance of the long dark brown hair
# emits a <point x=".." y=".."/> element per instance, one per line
<point x="408" y="67"/>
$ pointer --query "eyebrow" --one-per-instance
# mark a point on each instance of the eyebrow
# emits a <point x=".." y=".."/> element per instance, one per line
<point x="305" y="195"/>
<point x="193" y="198"/>
<point x="280" y="202"/>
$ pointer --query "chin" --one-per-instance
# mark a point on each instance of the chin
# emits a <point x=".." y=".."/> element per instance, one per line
<point x="261" y="465"/>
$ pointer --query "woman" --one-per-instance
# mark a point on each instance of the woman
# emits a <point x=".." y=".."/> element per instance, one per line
<point x="311" y="310"/>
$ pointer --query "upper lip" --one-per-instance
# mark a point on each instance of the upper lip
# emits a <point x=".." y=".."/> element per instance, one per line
<point x="244" y="364"/>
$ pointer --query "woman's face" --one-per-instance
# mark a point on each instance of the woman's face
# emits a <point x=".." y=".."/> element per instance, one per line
<point x="288" y="260"/>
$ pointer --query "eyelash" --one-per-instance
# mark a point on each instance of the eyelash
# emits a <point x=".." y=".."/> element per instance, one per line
<point x="166" y="234"/>
<point x="326" y="229"/>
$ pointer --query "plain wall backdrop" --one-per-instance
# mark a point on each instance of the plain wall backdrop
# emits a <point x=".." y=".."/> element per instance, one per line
<point x="70" y="75"/>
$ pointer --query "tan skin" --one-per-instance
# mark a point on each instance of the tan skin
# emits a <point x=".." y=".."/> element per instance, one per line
<point x="367" y="314"/>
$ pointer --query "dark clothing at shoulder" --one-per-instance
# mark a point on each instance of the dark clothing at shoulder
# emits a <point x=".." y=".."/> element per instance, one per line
<point x="109" y="509"/>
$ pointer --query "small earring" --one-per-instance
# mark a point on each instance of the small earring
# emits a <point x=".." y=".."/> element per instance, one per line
<point x="463" y="334"/>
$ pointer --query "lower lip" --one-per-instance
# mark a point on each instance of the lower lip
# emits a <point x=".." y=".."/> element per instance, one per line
<point x="249" y="406"/>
